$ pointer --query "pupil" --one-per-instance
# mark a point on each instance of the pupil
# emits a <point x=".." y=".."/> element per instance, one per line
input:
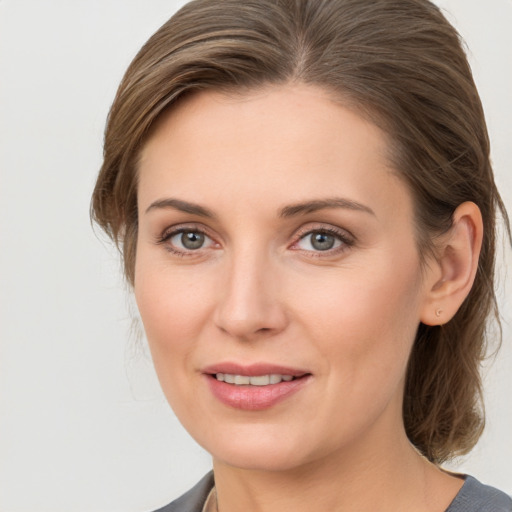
<point x="322" y="241"/>
<point x="192" y="240"/>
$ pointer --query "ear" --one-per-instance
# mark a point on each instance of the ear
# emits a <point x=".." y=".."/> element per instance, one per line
<point x="451" y="275"/>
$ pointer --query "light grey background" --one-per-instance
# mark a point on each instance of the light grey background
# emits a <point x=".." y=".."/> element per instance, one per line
<point x="83" y="424"/>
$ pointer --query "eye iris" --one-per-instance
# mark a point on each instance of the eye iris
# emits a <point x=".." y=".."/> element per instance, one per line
<point x="192" y="240"/>
<point x="322" y="241"/>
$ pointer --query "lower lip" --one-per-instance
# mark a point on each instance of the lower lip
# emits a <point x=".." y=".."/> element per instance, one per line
<point x="254" y="398"/>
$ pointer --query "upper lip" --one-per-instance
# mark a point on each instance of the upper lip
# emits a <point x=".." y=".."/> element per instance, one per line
<point x="252" y="370"/>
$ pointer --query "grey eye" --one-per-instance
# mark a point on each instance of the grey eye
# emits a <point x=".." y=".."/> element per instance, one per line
<point x="190" y="240"/>
<point x="319" y="241"/>
<point x="322" y="241"/>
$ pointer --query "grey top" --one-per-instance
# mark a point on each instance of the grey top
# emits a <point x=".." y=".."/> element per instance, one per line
<point x="476" y="497"/>
<point x="472" y="497"/>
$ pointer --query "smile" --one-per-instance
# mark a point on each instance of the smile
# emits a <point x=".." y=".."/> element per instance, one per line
<point x="256" y="380"/>
<point x="254" y="387"/>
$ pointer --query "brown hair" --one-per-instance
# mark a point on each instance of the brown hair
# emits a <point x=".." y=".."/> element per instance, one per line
<point x="397" y="61"/>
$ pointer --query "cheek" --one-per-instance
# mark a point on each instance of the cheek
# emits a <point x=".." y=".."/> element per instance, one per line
<point x="364" y="320"/>
<point x="172" y="307"/>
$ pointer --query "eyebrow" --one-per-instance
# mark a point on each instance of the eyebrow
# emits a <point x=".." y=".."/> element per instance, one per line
<point x="182" y="206"/>
<point x="286" y="212"/>
<point x="321" y="204"/>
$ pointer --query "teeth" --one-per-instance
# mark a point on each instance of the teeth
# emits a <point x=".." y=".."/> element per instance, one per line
<point x="241" y="380"/>
<point x="260" y="380"/>
<point x="257" y="380"/>
<point x="275" y="379"/>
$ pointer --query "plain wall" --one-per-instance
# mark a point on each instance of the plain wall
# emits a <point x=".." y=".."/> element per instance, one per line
<point x="83" y="423"/>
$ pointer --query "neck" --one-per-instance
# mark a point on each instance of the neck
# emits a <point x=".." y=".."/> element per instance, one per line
<point x="384" y="478"/>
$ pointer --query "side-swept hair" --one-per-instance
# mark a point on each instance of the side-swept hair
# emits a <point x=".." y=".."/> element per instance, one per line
<point x="397" y="62"/>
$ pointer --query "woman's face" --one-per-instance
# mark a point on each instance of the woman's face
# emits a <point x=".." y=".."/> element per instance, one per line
<point x="276" y="247"/>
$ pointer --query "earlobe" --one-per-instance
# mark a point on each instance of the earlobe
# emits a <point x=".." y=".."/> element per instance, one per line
<point x="452" y="275"/>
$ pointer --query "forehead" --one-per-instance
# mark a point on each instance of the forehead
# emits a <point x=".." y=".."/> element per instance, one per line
<point x="281" y="143"/>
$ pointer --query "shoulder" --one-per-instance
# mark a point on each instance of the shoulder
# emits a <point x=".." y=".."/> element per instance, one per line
<point x="477" y="497"/>
<point x="193" y="500"/>
<point x="473" y="497"/>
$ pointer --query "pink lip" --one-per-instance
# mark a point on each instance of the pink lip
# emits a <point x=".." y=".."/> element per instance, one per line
<point x="254" y="398"/>
<point x="254" y="369"/>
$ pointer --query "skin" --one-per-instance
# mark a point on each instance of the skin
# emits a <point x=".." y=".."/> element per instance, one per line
<point x="258" y="290"/>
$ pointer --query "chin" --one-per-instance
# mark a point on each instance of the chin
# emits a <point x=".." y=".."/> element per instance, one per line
<point x="257" y="450"/>
<point x="257" y="459"/>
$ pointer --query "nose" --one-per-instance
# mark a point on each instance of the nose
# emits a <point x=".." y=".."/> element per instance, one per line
<point x="250" y="306"/>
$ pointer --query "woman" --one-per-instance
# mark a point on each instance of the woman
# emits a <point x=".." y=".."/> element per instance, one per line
<point x="306" y="209"/>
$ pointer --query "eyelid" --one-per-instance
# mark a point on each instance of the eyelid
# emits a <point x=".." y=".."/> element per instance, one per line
<point x="169" y="232"/>
<point x="184" y="226"/>
<point x="324" y="227"/>
<point x="347" y="239"/>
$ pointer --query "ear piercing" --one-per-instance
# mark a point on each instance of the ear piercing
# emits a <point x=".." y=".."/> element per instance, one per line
<point x="439" y="312"/>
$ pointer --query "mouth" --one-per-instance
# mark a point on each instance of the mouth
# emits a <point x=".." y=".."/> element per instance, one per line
<point x="254" y="387"/>
<point x="255" y="380"/>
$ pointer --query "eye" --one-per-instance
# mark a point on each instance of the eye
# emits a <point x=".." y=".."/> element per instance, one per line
<point x="184" y="241"/>
<point x="319" y="241"/>
<point x="189" y="240"/>
<point x="323" y="240"/>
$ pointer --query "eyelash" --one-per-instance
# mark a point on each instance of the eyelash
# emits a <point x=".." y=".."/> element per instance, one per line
<point x="346" y="240"/>
<point x="168" y="234"/>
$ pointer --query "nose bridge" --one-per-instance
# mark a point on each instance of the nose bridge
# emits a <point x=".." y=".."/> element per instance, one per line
<point x="249" y="304"/>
